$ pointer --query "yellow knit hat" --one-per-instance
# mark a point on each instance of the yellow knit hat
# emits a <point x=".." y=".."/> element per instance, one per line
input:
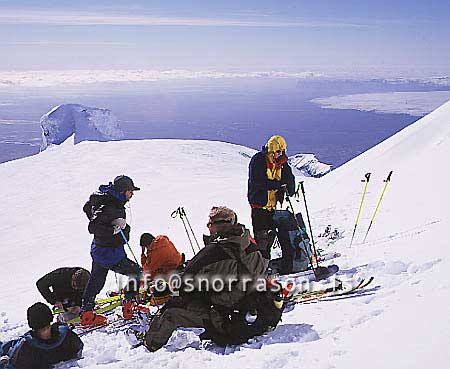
<point x="276" y="143"/>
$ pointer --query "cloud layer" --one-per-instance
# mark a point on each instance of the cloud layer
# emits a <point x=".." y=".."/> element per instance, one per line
<point x="73" y="18"/>
<point x="75" y="77"/>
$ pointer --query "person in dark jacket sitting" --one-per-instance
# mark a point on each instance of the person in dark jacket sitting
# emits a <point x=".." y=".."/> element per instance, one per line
<point x="105" y="210"/>
<point x="228" y="255"/>
<point x="42" y="347"/>
<point x="268" y="172"/>
<point x="63" y="288"/>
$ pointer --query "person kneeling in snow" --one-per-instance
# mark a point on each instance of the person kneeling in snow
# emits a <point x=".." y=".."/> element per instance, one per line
<point x="63" y="288"/>
<point x="159" y="256"/>
<point x="42" y="347"/>
<point x="230" y="256"/>
<point x="159" y="259"/>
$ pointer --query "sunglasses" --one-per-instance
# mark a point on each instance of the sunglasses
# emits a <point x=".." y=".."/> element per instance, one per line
<point x="209" y="224"/>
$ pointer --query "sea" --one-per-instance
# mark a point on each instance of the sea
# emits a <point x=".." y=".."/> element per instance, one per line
<point x="245" y="111"/>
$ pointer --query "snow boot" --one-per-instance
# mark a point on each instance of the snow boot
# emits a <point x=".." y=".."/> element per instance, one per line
<point x="66" y="316"/>
<point x="91" y="319"/>
<point x="128" y="309"/>
<point x="134" y="338"/>
<point x="325" y="272"/>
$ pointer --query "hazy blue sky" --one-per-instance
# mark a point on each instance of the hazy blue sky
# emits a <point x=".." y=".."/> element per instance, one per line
<point x="224" y="35"/>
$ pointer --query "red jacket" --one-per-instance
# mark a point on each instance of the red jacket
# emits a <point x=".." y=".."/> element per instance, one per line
<point x="161" y="257"/>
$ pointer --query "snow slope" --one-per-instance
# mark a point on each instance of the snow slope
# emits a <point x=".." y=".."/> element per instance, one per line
<point x="403" y="323"/>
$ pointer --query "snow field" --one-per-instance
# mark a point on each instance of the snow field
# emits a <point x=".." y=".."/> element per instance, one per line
<point x="400" y="322"/>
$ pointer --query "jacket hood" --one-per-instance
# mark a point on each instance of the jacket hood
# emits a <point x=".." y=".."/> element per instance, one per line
<point x="276" y="143"/>
<point x="108" y="189"/>
<point x="59" y="333"/>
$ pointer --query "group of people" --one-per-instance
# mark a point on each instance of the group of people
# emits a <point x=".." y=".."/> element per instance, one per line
<point x="231" y="315"/>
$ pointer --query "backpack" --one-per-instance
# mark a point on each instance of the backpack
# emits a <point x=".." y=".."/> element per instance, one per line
<point x="7" y="350"/>
<point x="298" y="239"/>
<point x="256" y="314"/>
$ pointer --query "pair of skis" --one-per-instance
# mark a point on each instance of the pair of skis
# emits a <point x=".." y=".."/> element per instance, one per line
<point x="110" y="302"/>
<point x="136" y="337"/>
<point x="366" y="181"/>
<point x="142" y="316"/>
<point x="331" y="292"/>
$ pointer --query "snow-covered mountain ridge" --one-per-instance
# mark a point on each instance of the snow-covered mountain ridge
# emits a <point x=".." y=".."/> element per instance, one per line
<point x="83" y="122"/>
<point x="309" y="165"/>
<point x="96" y="124"/>
<point x="403" y="323"/>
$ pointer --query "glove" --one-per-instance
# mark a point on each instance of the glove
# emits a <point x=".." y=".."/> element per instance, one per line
<point x="58" y="305"/>
<point x="118" y="224"/>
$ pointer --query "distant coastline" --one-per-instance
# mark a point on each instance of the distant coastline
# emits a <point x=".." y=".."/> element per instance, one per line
<point x="412" y="103"/>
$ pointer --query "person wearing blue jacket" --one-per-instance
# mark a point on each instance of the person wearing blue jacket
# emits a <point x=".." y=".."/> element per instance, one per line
<point x="105" y="210"/>
<point x="43" y="346"/>
<point x="268" y="172"/>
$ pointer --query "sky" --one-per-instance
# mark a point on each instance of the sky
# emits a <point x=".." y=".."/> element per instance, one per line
<point x="226" y="35"/>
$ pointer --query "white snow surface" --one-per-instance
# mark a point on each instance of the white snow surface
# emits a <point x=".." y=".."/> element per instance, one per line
<point x="403" y="323"/>
<point x="412" y="103"/>
<point x="85" y="123"/>
<point x="309" y="165"/>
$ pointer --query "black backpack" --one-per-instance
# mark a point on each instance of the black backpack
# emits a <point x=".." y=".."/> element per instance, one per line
<point x="256" y="314"/>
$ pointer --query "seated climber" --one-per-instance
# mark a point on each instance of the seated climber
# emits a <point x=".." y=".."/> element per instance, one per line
<point x="233" y="314"/>
<point x="42" y="347"/>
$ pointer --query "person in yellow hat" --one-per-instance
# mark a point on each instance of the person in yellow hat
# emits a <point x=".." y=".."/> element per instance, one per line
<point x="268" y="172"/>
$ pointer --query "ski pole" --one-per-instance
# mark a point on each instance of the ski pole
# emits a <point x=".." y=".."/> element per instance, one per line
<point x="135" y="259"/>
<point x="387" y="180"/>
<point x="190" y="227"/>
<point x="367" y="176"/>
<point x="300" y="229"/>
<point x="131" y="250"/>
<point x="179" y="212"/>
<point x="176" y="213"/>
<point x="309" y="222"/>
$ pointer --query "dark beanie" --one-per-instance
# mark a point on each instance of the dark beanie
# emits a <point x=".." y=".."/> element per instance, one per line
<point x="39" y="316"/>
<point x="146" y="239"/>
<point x="81" y="278"/>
